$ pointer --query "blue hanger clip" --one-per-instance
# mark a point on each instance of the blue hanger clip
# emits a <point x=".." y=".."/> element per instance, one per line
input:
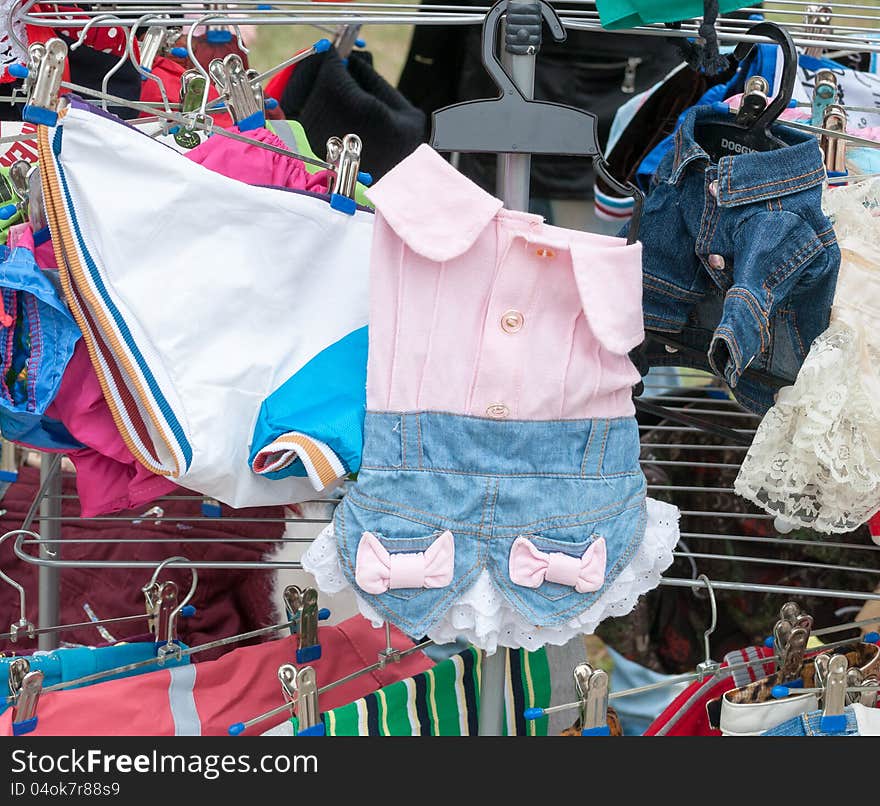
<point x="211" y="508"/>
<point x="343" y="203"/>
<point x="23" y="727"/>
<point x="19" y="70"/>
<point x="7" y="211"/>
<point x="179" y="52"/>
<point x="322" y="45"/>
<point x="219" y="36"/>
<point x="253" y="121"/>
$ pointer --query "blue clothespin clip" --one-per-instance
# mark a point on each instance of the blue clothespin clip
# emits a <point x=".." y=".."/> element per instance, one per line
<point x="344" y="154"/>
<point x="24" y="717"/>
<point x="591" y="686"/>
<point x="833" y="718"/>
<point x="302" y="607"/>
<point x="211" y="508"/>
<point x="45" y="69"/>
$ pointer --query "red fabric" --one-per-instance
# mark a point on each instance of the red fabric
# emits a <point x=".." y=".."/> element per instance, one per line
<point x="228" y="602"/>
<point x="275" y="86"/>
<point x="241" y="685"/>
<point x="874" y="525"/>
<point x="694" y="721"/>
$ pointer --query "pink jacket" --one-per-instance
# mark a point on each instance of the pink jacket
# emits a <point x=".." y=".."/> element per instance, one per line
<point x="481" y="311"/>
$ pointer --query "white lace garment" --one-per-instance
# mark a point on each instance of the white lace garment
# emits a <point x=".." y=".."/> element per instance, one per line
<point x="815" y="459"/>
<point x="484" y="618"/>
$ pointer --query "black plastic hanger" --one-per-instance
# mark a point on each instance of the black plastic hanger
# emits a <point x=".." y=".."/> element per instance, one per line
<point x="512" y="123"/>
<point x="733" y="136"/>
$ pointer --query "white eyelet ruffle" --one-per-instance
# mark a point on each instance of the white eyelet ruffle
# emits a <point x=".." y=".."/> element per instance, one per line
<point x="484" y="618"/>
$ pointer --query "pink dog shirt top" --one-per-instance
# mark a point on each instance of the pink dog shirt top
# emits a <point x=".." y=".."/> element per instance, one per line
<point x="543" y="336"/>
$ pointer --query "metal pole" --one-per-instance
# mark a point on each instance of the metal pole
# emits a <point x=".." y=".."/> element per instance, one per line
<point x="50" y="529"/>
<point x="513" y="188"/>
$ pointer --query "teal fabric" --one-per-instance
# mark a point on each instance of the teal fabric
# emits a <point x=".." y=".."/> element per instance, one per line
<point x="324" y="400"/>
<point x="71" y="663"/>
<point x="630" y="13"/>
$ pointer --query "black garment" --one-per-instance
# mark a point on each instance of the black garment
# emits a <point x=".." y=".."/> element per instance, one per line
<point x="330" y="98"/>
<point x="88" y="68"/>
<point x="587" y="71"/>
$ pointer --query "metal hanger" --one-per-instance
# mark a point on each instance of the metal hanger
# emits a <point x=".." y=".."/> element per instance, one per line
<point x="751" y="128"/>
<point x="160" y="599"/>
<point x="512" y="124"/>
<point x="707" y="666"/>
<point x="22" y="625"/>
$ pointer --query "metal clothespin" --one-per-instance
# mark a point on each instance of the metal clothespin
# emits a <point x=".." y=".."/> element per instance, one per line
<point x="708" y="667"/>
<point x="24" y="717"/>
<point x="18" y="670"/>
<point x="42" y="103"/>
<point x="302" y="607"/>
<point x="346" y="38"/>
<point x="152" y="44"/>
<point x="345" y="157"/>
<point x="790" y="636"/>
<point x="817" y="20"/>
<point x="163" y="609"/>
<point x="824" y="94"/>
<point x="234" y="84"/>
<point x="754" y="100"/>
<point x="300" y="688"/>
<point x="834" y="701"/>
<point x="591" y="686"/>
<point x="834" y="148"/>
<point x="192" y="89"/>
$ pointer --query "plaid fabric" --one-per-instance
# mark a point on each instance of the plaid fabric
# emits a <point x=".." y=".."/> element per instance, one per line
<point x="445" y="700"/>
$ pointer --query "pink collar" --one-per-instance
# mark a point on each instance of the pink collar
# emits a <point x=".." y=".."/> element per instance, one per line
<point x="436" y="211"/>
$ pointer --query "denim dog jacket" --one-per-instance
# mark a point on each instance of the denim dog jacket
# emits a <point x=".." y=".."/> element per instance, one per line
<point x="739" y="261"/>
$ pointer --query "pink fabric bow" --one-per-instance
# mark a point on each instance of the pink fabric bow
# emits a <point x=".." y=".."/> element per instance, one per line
<point x="531" y="567"/>
<point x="376" y="571"/>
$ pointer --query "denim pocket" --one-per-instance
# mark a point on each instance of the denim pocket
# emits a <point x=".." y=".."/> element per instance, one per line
<point x="538" y="559"/>
<point x="408" y="546"/>
<point x="550" y="573"/>
<point x="388" y="556"/>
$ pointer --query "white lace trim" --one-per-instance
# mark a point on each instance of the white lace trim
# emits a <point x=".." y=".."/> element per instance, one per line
<point x="484" y="618"/>
<point x="9" y="51"/>
<point x="815" y="458"/>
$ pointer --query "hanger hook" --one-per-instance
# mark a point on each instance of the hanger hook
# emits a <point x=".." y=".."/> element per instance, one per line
<point x="785" y="90"/>
<point x="81" y="36"/>
<point x="9" y="581"/>
<point x="490" y="36"/>
<point x="105" y="82"/>
<point x="203" y="20"/>
<point x="192" y="589"/>
<point x="144" y="73"/>
<point x="714" y="623"/>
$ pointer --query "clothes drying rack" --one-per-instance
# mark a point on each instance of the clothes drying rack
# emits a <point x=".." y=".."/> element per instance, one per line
<point x="849" y="28"/>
